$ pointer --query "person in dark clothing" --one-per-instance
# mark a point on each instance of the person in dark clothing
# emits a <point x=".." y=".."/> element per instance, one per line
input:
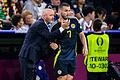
<point x="36" y="46"/>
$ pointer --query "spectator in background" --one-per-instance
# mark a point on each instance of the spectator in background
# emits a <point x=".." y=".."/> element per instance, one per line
<point x="2" y="10"/>
<point x="8" y="8"/>
<point x="89" y="3"/>
<point x="54" y="5"/>
<point x="6" y="24"/>
<point x="89" y="15"/>
<point x="68" y="1"/>
<point x="113" y="10"/>
<point x="104" y="4"/>
<point x="17" y="22"/>
<point x="115" y="7"/>
<point x="116" y="14"/>
<point x="115" y="18"/>
<point x="101" y="14"/>
<point x="72" y="13"/>
<point x="28" y="19"/>
<point x="77" y="7"/>
<point x="21" y="3"/>
<point x="35" y="7"/>
<point x="16" y="6"/>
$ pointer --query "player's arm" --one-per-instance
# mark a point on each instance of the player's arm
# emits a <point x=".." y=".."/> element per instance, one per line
<point x="84" y="42"/>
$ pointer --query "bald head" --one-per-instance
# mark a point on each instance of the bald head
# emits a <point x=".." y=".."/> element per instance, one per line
<point x="48" y="15"/>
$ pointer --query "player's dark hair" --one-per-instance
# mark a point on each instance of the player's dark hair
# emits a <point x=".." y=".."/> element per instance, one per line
<point x="64" y="4"/>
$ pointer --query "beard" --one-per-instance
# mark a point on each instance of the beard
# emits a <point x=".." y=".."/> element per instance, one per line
<point x="64" y="17"/>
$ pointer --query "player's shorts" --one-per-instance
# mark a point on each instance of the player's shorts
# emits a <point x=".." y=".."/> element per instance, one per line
<point x="41" y="73"/>
<point x="64" y="67"/>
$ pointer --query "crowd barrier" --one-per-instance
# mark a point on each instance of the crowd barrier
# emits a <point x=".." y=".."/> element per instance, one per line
<point x="10" y="44"/>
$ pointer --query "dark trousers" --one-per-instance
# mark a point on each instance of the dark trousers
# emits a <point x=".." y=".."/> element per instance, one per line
<point x="28" y="69"/>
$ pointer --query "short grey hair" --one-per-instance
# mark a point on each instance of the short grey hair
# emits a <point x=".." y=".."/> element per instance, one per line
<point x="45" y="11"/>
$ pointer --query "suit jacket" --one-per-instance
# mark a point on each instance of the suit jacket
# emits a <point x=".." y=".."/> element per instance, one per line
<point x="36" y="43"/>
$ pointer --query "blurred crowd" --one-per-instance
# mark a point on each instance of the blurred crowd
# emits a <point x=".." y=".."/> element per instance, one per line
<point x="19" y="15"/>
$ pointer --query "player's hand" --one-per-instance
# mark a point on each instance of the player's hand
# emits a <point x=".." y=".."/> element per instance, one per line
<point x="85" y="51"/>
<point x="53" y="45"/>
<point x="65" y="24"/>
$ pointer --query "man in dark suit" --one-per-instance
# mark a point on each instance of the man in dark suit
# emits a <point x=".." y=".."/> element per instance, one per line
<point x="37" y="43"/>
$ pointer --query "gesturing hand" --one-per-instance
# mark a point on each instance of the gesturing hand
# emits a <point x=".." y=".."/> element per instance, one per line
<point x="65" y="24"/>
<point x="53" y="45"/>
